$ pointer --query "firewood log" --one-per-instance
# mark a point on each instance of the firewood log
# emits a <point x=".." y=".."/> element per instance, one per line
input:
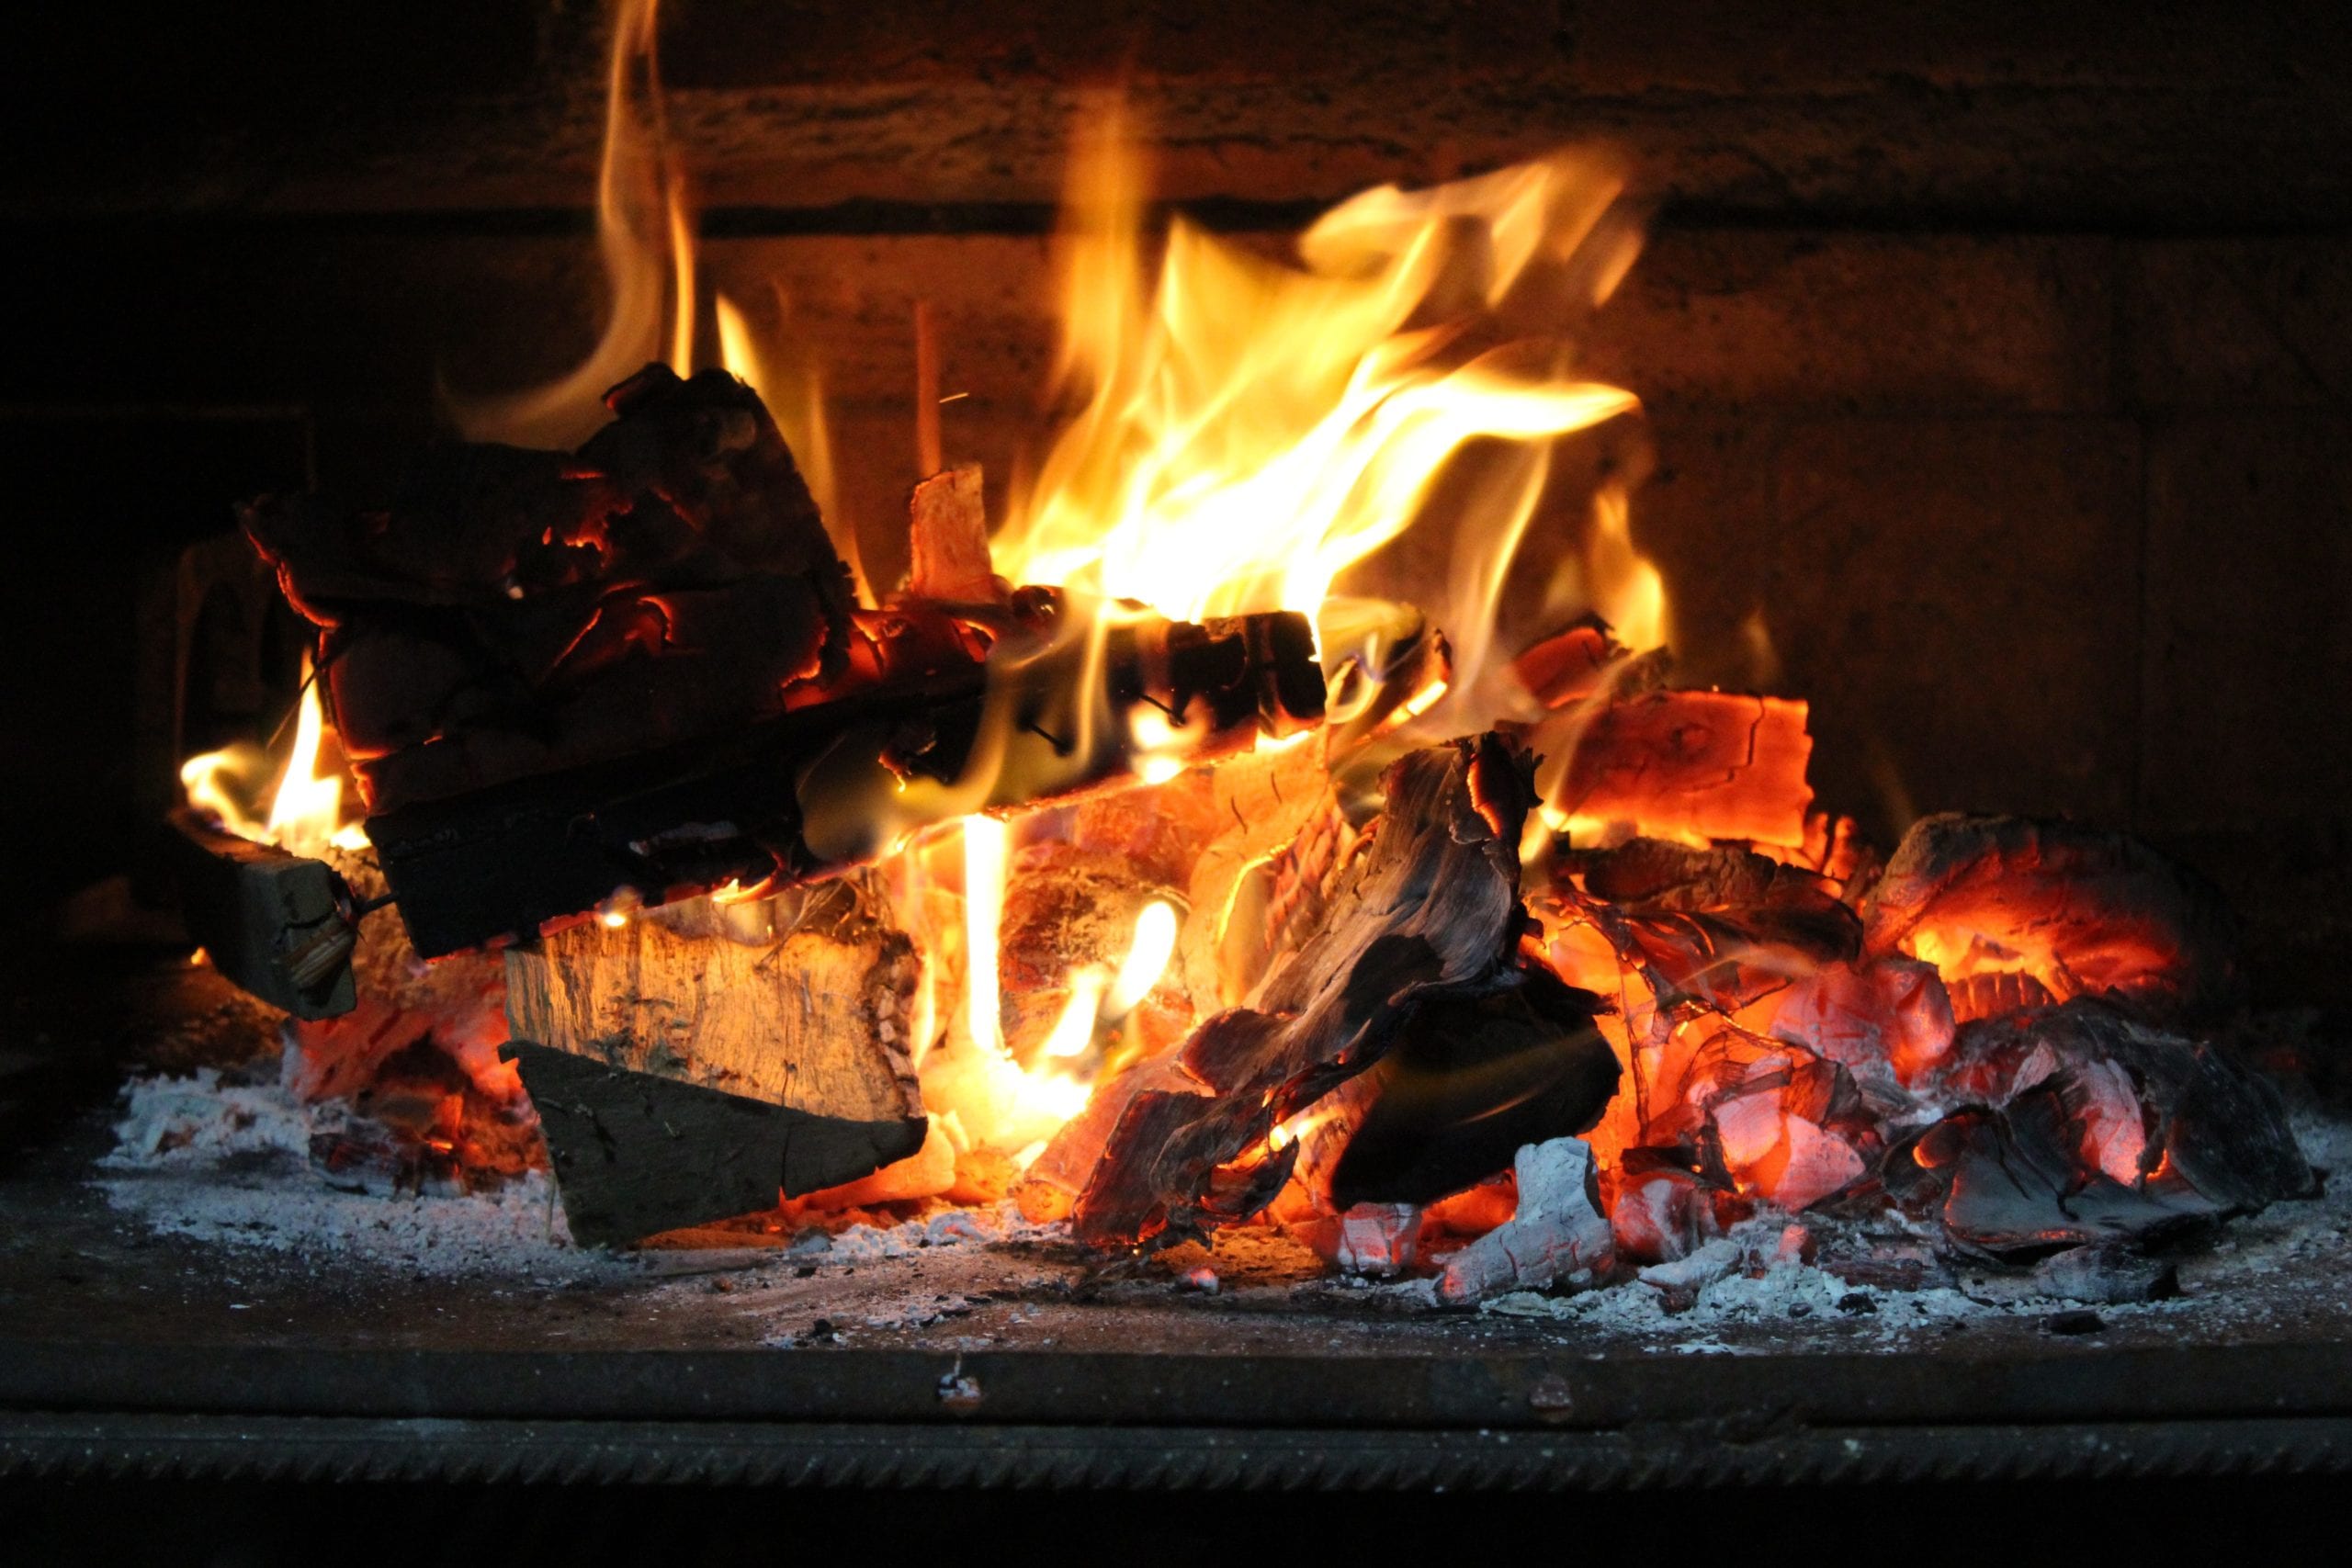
<point x="807" y="1006"/>
<point x="2079" y="911"/>
<point x="780" y="1026"/>
<point x="281" y="926"/>
<point x="1430" y="910"/>
<point x="1717" y="764"/>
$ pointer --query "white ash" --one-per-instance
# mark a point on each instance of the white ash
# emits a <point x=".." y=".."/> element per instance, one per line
<point x="229" y="1162"/>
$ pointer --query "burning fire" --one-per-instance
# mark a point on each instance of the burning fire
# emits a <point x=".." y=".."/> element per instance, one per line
<point x="1247" y="430"/>
<point x="1250" y="429"/>
<point x="302" y="812"/>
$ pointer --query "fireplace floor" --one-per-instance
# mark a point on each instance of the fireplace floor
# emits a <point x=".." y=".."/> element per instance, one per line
<point x="123" y="1350"/>
<point x="237" y="1319"/>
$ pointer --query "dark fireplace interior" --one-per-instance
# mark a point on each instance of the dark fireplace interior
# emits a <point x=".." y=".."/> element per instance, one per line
<point x="1993" y="363"/>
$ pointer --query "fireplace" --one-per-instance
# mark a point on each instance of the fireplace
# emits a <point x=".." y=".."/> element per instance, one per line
<point x="910" y="769"/>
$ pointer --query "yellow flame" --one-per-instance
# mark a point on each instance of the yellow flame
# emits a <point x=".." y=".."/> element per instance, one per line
<point x="645" y="235"/>
<point x="1625" y="587"/>
<point x="303" y="810"/>
<point x="985" y="842"/>
<point x="1147" y="959"/>
<point x="306" y="809"/>
<point x="1074" y="1030"/>
<point x="1252" y="428"/>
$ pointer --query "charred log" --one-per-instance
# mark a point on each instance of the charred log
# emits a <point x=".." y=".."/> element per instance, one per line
<point x="1471" y="1081"/>
<point x="2076" y="911"/>
<point x="1430" y="911"/>
<point x="281" y="926"/>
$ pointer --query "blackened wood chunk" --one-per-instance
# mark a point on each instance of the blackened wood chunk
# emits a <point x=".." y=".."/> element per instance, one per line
<point x="511" y="613"/>
<point x="2082" y="912"/>
<point x="1723" y="925"/>
<point x="1430" y="910"/>
<point x="2088" y="1124"/>
<point x="1472" y="1080"/>
<point x="279" y="925"/>
<point x="636" y="1153"/>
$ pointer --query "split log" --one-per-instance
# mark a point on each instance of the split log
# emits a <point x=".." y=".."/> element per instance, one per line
<point x="1430" y="910"/>
<point x="808" y="1007"/>
<point x="1716" y="765"/>
<point x="281" y="926"/>
<point x="816" y="789"/>
<point x="799" y="1005"/>
<point x="2079" y="911"/>
<point x="1558" y="1233"/>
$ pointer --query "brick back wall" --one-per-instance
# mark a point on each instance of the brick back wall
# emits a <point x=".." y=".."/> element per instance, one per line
<point x="1999" y="359"/>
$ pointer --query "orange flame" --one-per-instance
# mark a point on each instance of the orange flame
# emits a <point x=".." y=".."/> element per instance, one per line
<point x="1251" y="429"/>
<point x="645" y="233"/>
<point x="303" y="813"/>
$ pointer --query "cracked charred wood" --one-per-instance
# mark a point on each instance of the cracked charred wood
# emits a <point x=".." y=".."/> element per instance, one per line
<point x="1469" y="1082"/>
<point x="1428" y="910"/>
<point x="1718" y="764"/>
<point x="1723" y="925"/>
<point x="282" y="927"/>
<point x="2081" y="1123"/>
<point x="815" y="789"/>
<point x="2066" y="909"/>
<point x="636" y="1153"/>
<point x="805" y="999"/>
<point x="514" y="611"/>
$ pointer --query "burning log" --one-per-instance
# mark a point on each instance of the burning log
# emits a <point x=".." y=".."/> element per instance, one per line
<point x="803" y="793"/>
<point x="1713" y="764"/>
<point x="802" y="1003"/>
<point x="1429" y="910"/>
<point x="639" y="668"/>
<point x="281" y="926"/>
<point x="2074" y="911"/>
<point x="1558" y="1233"/>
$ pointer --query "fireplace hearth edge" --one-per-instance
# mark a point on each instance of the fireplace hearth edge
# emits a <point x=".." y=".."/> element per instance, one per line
<point x="878" y="1418"/>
